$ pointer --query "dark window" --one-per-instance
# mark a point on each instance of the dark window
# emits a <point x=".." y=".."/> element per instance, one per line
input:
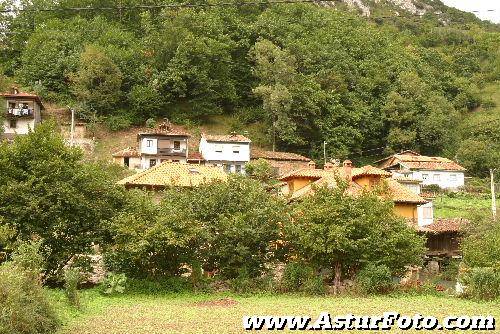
<point x="228" y="168"/>
<point x="13" y="123"/>
<point x="152" y="162"/>
<point x="238" y="168"/>
<point x="149" y="143"/>
<point x="176" y="161"/>
<point x="126" y="161"/>
<point x="236" y="149"/>
<point x="177" y="145"/>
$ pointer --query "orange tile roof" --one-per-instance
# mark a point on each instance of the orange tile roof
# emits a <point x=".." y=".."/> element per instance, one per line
<point x="271" y="155"/>
<point x="401" y="194"/>
<point x="174" y="174"/>
<point x="127" y="152"/>
<point x="369" y="171"/>
<point x="445" y="225"/>
<point x="396" y="191"/>
<point x="412" y="161"/>
<point x="227" y="138"/>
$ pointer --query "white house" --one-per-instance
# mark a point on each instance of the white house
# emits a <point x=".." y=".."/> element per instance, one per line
<point x="22" y="112"/>
<point x="230" y="151"/>
<point x="443" y="172"/>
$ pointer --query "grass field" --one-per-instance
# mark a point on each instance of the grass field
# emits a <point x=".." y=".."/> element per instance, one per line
<point x="446" y="207"/>
<point x="222" y="313"/>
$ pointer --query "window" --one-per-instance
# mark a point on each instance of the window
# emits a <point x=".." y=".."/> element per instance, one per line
<point x="152" y="162"/>
<point x="236" y="149"/>
<point x="227" y="167"/>
<point x="218" y="148"/>
<point x="177" y="145"/>
<point x="425" y="176"/>
<point x="437" y="177"/>
<point x="453" y="177"/>
<point x="149" y="143"/>
<point x="427" y="213"/>
<point x="13" y="123"/>
<point x="176" y="161"/>
<point x="126" y="161"/>
<point x="238" y="169"/>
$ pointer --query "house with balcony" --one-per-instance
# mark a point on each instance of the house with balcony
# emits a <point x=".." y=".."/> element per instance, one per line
<point x="231" y="152"/>
<point x="22" y="112"/>
<point x="443" y="172"/>
<point x="162" y="144"/>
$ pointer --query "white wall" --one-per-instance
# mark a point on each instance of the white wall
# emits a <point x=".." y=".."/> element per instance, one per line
<point x="425" y="214"/>
<point x="209" y="151"/>
<point x="444" y="179"/>
<point x="153" y="149"/>
<point x="23" y="126"/>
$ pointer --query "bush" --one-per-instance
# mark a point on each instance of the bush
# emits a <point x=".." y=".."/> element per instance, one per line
<point x="314" y="286"/>
<point x="117" y="123"/>
<point x="25" y="309"/>
<point x="158" y="286"/>
<point x="450" y="270"/>
<point x="151" y="123"/>
<point x="295" y="275"/>
<point x="114" y="283"/>
<point x="72" y="278"/>
<point x="483" y="283"/>
<point x="374" y="279"/>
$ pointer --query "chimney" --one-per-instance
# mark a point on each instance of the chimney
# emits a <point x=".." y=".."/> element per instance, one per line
<point x="311" y="165"/>
<point x="328" y="166"/>
<point x="233" y="133"/>
<point x="347" y="166"/>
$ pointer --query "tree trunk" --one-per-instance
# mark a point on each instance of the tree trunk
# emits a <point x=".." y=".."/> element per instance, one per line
<point x="337" y="279"/>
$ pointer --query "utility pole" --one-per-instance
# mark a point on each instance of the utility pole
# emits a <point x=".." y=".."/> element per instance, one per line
<point x="493" y="199"/>
<point x="72" y="135"/>
<point x="324" y="150"/>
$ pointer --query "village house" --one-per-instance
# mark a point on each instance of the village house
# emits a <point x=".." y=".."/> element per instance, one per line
<point x="282" y="162"/>
<point x="22" y="113"/>
<point x="174" y="174"/>
<point x="231" y="152"/>
<point x="407" y="203"/>
<point x="161" y="144"/>
<point x="443" y="172"/>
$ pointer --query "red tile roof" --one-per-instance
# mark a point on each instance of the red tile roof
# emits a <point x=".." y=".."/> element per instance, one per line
<point x="195" y="156"/>
<point x="445" y="225"/>
<point x="227" y="138"/>
<point x="369" y="171"/>
<point x="271" y="155"/>
<point x="23" y="95"/>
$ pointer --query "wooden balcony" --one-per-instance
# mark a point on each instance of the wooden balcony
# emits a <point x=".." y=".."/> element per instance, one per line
<point x="172" y="152"/>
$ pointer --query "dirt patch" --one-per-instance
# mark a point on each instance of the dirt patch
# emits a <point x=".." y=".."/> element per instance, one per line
<point x="224" y="302"/>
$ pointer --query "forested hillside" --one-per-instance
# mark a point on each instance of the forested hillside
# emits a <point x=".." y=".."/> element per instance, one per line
<point x="311" y="73"/>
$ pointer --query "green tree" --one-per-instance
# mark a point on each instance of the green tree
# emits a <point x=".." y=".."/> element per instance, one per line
<point x="481" y="245"/>
<point x="332" y="229"/>
<point x="97" y="82"/>
<point x="47" y="191"/>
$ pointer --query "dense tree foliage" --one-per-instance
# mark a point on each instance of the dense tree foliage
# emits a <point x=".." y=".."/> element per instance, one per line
<point x="230" y="228"/>
<point x="335" y="230"/>
<point x="310" y="74"/>
<point x="47" y="192"/>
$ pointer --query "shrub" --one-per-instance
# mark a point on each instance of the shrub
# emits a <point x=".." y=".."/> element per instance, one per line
<point x="314" y="285"/>
<point x="24" y="306"/>
<point x="114" y="283"/>
<point x="72" y="278"/>
<point x="117" y="123"/>
<point x="483" y="283"/>
<point x="374" y="279"/>
<point x="151" y="123"/>
<point x="295" y="275"/>
<point x="450" y="270"/>
<point x="158" y="286"/>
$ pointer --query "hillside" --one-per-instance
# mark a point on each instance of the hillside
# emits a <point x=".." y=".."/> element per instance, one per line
<point x="365" y="77"/>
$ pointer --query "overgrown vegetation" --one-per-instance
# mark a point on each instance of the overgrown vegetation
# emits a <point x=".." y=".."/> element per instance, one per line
<point x="311" y="74"/>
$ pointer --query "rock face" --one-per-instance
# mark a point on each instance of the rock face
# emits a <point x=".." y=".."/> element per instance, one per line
<point x="414" y="7"/>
